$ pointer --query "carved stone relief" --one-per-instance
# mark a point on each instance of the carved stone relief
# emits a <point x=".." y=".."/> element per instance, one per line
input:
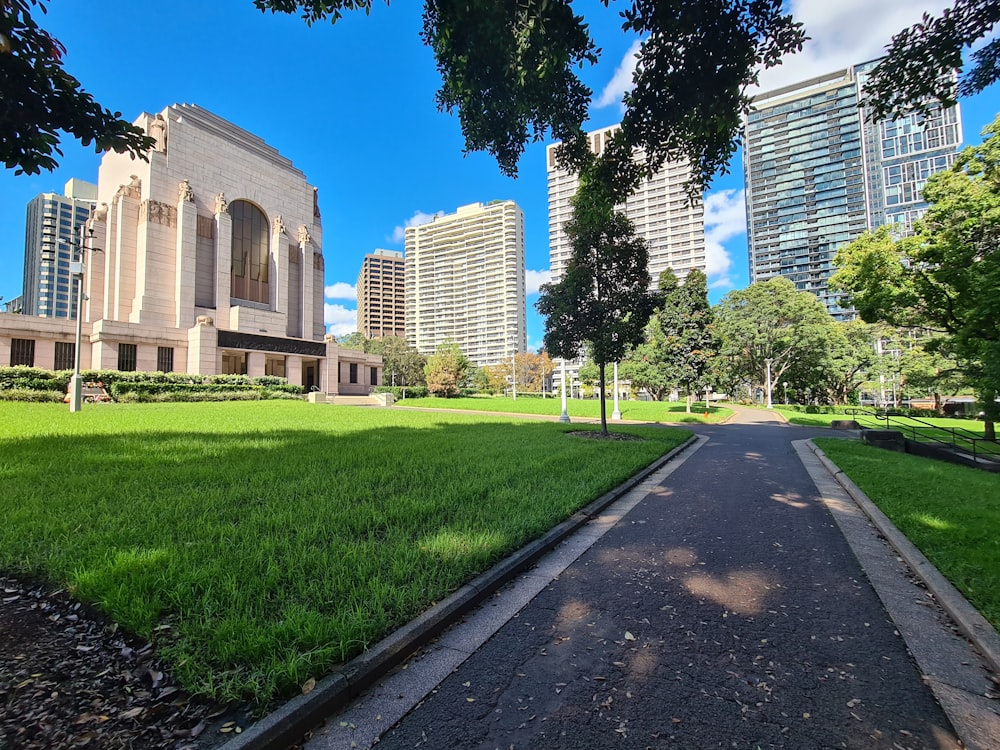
<point x="159" y="213"/>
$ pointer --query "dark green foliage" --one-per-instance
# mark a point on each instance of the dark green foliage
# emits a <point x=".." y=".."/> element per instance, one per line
<point x="40" y="99"/>
<point x="400" y="392"/>
<point x="921" y="59"/>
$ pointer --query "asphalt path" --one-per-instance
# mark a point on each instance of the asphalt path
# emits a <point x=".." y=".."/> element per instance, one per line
<point x="724" y="610"/>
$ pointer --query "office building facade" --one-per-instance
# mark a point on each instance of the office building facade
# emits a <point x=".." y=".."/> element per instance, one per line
<point x="673" y="227"/>
<point x="465" y="282"/>
<point x="206" y="258"/>
<point x="51" y="242"/>
<point x="381" y="295"/>
<point x="819" y="173"/>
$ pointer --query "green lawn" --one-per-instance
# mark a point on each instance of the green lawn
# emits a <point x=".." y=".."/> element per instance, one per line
<point x="261" y="543"/>
<point x="824" y="420"/>
<point x="951" y="513"/>
<point x="639" y="411"/>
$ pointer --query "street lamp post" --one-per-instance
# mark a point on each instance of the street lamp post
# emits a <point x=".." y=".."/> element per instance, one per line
<point x="564" y="417"/>
<point x="786" y="392"/>
<point x="616" y="414"/>
<point x="76" y="381"/>
<point x="768" y="363"/>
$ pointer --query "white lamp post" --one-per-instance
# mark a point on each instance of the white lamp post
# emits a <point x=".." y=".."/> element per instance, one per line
<point x="768" y="363"/>
<point x="76" y="269"/>
<point x="616" y="414"/>
<point x="564" y="417"/>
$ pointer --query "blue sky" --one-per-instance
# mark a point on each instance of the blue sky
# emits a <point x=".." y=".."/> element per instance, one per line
<point x="352" y="105"/>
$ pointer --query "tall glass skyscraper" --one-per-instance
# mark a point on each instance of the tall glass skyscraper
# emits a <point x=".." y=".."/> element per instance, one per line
<point x="52" y="235"/>
<point x="819" y="173"/>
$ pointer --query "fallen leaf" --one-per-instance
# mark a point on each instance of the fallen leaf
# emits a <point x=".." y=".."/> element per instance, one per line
<point x="308" y="686"/>
<point x="629" y="636"/>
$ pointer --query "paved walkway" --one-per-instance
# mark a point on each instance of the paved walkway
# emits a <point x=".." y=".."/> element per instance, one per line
<point x="719" y="605"/>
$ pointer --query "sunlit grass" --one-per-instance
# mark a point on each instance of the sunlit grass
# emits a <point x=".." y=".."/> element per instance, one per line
<point x="277" y="539"/>
<point x="637" y="411"/>
<point x="951" y="513"/>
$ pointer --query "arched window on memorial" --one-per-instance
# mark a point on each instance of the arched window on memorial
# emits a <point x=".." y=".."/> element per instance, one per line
<point x="249" y="253"/>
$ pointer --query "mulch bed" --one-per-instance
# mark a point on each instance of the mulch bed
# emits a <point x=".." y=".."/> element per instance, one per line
<point x="69" y="679"/>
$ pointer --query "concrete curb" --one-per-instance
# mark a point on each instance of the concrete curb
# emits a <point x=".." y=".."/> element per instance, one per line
<point x="286" y="725"/>
<point x="973" y="625"/>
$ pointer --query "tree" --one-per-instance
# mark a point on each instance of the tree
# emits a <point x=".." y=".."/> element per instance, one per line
<point x="685" y="325"/>
<point x="509" y="70"/>
<point x="920" y="60"/>
<point x="355" y="340"/>
<point x="768" y="328"/>
<point x="446" y="370"/>
<point x="533" y="370"/>
<point x="402" y="365"/>
<point x="40" y="99"/>
<point x="602" y="299"/>
<point x="945" y="278"/>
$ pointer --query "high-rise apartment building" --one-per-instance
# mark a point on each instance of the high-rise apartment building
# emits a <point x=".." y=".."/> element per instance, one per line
<point x="52" y="236"/>
<point x="674" y="229"/>
<point x="819" y="173"/>
<point x="465" y="282"/>
<point x="381" y="285"/>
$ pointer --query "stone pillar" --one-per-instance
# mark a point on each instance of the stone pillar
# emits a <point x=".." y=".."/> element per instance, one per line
<point x="256" y="362"/>
<point x="203" y="347"/>
<point x="293" y="369"/>
<point x="185" y="258"/>
<point x="279" y="256"/>
<point x="223" y="262"/>
<point x="305" y="245"/>
<point x="94" y="281"/>
<point x="125" y="246"/>
<point x="328" y="366"/>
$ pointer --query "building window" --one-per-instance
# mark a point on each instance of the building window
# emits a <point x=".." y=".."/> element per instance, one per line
<point x="22" y="352"/>
<point x="234" y="364"/>
<point x="374" y="376"/>
<point x="65" y="356"/>
<point x="249" y="253"/>
<point x="354" y="372"/>
<point x="126" y="357"/>
<point x="165" y="358"/>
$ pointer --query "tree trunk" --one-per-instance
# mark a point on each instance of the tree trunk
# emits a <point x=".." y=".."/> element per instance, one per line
<point x="604" y="407"/>
<point x="687" y="403"/>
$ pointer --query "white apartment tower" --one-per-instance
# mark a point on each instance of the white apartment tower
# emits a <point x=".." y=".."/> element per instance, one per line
<point x="51" y="242"/>
<point x="673" y="228"/>
<point x="465" y="282"/>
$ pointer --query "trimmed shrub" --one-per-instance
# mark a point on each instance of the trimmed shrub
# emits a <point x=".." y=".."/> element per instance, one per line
<point x="414" y="391"/>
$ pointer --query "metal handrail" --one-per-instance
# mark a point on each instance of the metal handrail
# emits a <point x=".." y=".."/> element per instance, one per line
<point x="979" y="447"/>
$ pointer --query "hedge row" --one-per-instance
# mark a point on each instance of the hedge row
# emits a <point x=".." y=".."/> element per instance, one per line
<point x="413" y="391"/>
<point x="16" y="383"/>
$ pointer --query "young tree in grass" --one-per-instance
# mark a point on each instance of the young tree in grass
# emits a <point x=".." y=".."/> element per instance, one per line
<point x="602" y="300"/>
<point x="446" y="370"/>
<point x="684" y="328"/>
<point x="946" y="277"/>
<point x="402" y="365"/>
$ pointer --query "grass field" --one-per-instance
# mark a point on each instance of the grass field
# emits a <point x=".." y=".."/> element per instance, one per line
<point x="639" y="411"/>
<point x="824" y="420"/>
<point x="262" y="543"/>
<point x="951" y="513"/>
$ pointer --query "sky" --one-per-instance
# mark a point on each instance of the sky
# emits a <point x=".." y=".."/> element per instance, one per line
<point x="352" y="105"/>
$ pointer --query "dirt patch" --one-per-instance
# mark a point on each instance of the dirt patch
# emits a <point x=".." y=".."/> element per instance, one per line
<point x="69" y="679"/>
<point x="596" y="435"/>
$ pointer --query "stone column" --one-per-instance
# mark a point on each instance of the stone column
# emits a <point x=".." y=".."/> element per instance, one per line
<point x="186" y="253"/>
<point x="203" y="347"/>
<point x="328" y="366"/>
<point x="279" y="254"/>
<point x="256" y="363"/>
<point x="293" y="369"/>
<point x="223" y="261"/>
<point x="306" y="246"/>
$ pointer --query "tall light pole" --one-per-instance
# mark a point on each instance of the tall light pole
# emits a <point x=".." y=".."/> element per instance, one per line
<point x="513" y="371"/>
<point x="616" y="414"/>
<point x="768" y="363"/>
<point x="564" y="417"/>
<point x="76" y="268"/>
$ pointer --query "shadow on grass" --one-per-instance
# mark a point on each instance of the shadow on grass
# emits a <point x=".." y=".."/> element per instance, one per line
<point x="271" y="554"/>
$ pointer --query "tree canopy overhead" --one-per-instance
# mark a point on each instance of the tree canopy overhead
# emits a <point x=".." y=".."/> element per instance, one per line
<point x="40" y="98"/>
<point x="920" y="60"/>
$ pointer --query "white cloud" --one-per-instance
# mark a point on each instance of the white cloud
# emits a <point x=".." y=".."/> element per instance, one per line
<point x="339" y="320"/>
<point x="341" y="290"/>
<point x="725" y="218"/>
<point x="418" y="218"/>
<point x="534" y="279"/>
<point x="844" y="33"/>
<point x="621" y="81"/>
